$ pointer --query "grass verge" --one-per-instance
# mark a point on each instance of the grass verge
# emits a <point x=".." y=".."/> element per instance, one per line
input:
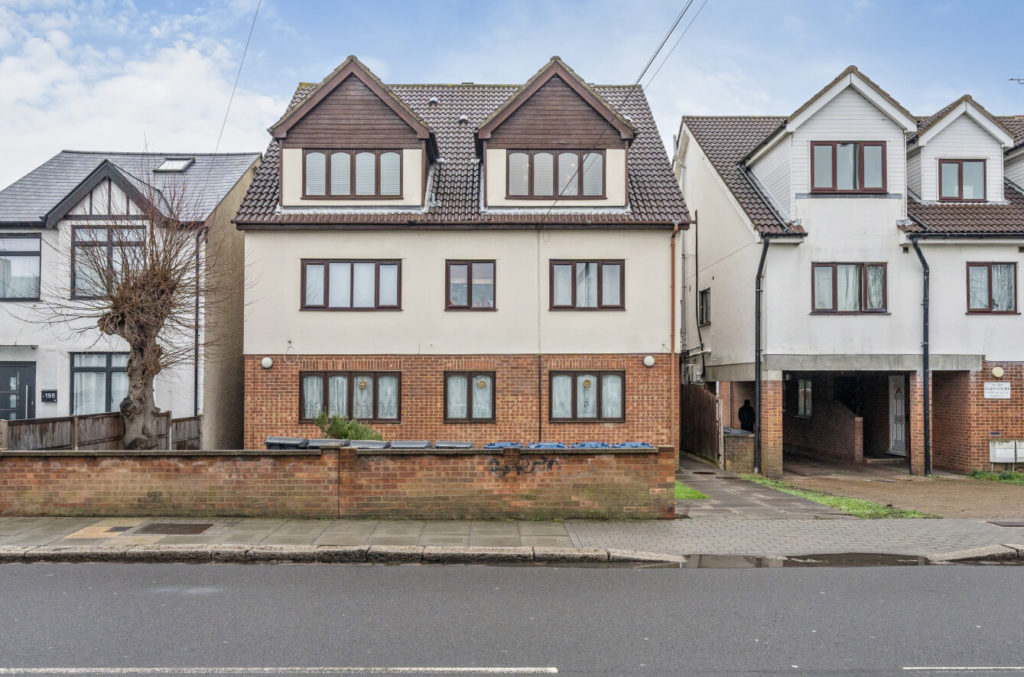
<point x="685" y="493"/>
<point x="1007" y="476"/>
<point x="857" y="507"/>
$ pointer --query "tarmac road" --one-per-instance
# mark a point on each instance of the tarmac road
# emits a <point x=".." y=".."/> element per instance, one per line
<point x="275" y="620"/>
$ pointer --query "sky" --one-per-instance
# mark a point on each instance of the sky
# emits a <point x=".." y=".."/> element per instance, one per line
<point x="158" y="75"/>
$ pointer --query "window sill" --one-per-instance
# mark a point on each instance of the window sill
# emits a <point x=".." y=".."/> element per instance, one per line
<point x="312" y="421"/>
<point x="992" y="312"/>
<point x="882" y="195"/>
<point x="456" y="309"/>
<point x="349" y="310"/>
<point x="471" y="421"/>
<point x="848" y="313"/>
<point x="559" y="309"/>
<point x="703" y="324"/>
<point x="586" y="420"/>
<point x="21" y="300"/>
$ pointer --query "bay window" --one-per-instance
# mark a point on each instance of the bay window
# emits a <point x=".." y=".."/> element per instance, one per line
<point x="331" y="284"/>
<point x="364" y="396"/>
<point x="587" y="396"/>
<point x="848" y="288"/>
<point x="587" y="285"/>
<point x="991" y="287"/>
<point x="848" y="167"/>
<point x="469" y="397"/>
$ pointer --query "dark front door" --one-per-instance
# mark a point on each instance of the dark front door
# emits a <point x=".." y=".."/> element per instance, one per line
<point x="17" y="390"/>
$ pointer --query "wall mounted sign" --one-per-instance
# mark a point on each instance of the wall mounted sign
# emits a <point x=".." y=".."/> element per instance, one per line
<point x="997" y="390"/>
<point x="49" y="396"/>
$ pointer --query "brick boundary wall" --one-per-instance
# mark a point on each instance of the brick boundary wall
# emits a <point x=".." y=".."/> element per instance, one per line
<point x="180" y="483"/>
<point x="606" y="484"/>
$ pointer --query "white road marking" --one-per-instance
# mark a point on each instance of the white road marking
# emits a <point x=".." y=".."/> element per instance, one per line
<point x="967" y="668"/>
<point x="326" y="670"/>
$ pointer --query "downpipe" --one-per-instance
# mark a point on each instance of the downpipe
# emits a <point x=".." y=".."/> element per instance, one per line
<point x="758" y="291"/>
<point x="925" y="370"/>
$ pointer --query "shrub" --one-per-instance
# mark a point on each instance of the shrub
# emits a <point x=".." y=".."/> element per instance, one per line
<point x="346" y="429"/>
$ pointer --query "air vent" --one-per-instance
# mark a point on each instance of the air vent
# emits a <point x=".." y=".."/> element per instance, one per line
<point x="463" y="119"/>
<point x="433" y="101"/>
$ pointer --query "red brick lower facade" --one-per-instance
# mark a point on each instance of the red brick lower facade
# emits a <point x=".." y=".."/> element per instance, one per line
<point x="521" y="397"/>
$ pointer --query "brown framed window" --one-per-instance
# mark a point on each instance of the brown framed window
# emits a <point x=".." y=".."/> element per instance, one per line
<point x="19" y="266"/>
<point x="361" y="395"/>
<point x="547" y="174"/>
<point x="96" y="248"/>
<point x="962" y="180"/>
<point x="469" y="285"/>
<point x="991" y="287"/>
<point x="704" y="307"/>
<point x="352" y="174"/>
<point x="587" y="396"/>
<point x="587" y="285"/>
<point x="469" y="397"/>
<point x="848" y="288"/>
<point x="848" y="167"/>
<point x="351" y="284"/>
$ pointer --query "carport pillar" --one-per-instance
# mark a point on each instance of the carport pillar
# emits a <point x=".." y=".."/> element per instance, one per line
<point x="915" y="393"/>
<point x="770" y="427"/>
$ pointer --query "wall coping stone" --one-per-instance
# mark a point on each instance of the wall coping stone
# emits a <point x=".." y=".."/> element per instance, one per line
<point x="149" y="453"/>
<point x="499" y="452"/>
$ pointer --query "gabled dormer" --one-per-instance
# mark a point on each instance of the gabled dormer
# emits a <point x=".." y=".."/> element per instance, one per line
<point x="555" y="143"/>
<point x="846" y="140"/>
<point x="351" y="142"/>
<point x="957" y="155"/>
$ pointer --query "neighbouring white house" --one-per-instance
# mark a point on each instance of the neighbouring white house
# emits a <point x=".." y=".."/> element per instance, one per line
<point x="842" y="252"/>
<point x="77" y="200"/>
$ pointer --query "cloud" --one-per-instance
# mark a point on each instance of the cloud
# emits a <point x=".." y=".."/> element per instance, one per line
<point x="63" y="92"/>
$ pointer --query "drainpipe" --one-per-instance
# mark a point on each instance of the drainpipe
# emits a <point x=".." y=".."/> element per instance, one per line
<point x="674" y="414"/>
<point x="924" y="360"/>
<point x="195" y="356"/>
<point x="696" y="290"/>
<point x="758" y="289"/>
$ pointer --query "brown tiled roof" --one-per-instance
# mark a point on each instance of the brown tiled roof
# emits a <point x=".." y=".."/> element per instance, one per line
<point x="851" y="70"/>
<point x="926" y="123"/>
<point x="1015" y="125"/>
<point x="654" y="196"/>
<point x="726" y="140"/>
<point x="967" y="218"/>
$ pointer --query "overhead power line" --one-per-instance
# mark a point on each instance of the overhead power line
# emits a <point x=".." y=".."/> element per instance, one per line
<point x="238" y="75"/>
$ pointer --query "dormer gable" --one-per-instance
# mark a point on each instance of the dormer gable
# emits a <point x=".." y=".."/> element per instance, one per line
<point x="555" y="142"/>
<point x="853" y="78"/>
<point x="555" y="107"/>
<point x="351" y="142"/>
<point x="109" y="192"/>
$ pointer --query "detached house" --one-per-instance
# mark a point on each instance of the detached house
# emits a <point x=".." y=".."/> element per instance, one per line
<point x="844" y="252"/>
<point x="53" y="221"/>
<point x="464" y="262"/>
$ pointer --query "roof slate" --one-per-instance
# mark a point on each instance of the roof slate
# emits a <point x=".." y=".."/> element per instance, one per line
<point x="726" y="140"/>
<point x="969" y="218"/>
<point x="455" y="197"/>
<point x="202" y="186"/>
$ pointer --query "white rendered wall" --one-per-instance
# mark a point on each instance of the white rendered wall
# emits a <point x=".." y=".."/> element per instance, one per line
<point x="522" y="322"/>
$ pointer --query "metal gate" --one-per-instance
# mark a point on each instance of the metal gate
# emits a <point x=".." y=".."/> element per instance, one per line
<point x="700" y="422"/>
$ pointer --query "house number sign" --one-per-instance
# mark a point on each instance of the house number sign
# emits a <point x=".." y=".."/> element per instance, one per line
<point x="997" y="390"/>
<point x="49" y="395"/>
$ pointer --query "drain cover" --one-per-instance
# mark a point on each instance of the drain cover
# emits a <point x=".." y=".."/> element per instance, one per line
<point x="118" y="529"/>
<point x="703" y="472"/>
<point x="729" y="478"/>
<point x="183" y="529"/>
<point x="1014" y="523"/>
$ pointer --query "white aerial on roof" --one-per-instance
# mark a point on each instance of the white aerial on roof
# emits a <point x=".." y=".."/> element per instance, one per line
<point x="175" y="164"/>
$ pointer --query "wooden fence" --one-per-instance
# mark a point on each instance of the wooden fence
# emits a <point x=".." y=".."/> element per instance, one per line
<point x="96" y="431"/>
<point x="700" y="423"/>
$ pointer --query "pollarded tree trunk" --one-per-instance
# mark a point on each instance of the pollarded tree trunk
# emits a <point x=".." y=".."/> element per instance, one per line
<point x="138" y="408"/>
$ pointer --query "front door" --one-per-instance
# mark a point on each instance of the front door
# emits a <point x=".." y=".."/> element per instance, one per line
<point x="17" y="390"/>
<point x="897" y="415"/>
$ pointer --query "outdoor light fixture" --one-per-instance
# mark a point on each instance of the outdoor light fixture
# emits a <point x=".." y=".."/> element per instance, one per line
<point x="997" y="372"/>
<point x="649" y="361"/>
<point x="267" y="362"/>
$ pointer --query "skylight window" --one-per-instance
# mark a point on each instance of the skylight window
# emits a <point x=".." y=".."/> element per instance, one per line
<point x="175" y="164"/>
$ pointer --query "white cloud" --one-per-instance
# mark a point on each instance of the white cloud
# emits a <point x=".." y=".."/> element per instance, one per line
<point x="60" y="92"/>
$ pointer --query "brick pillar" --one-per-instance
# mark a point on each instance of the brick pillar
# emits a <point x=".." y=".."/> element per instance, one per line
<point x="915" y="393"/>
<point x="770" y="418"/>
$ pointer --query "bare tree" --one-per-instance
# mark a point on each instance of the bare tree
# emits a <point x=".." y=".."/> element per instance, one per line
<point x="142" y="269"/>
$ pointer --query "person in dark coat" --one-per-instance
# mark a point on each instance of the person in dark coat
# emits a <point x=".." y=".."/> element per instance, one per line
<point x="746" y="415"/>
